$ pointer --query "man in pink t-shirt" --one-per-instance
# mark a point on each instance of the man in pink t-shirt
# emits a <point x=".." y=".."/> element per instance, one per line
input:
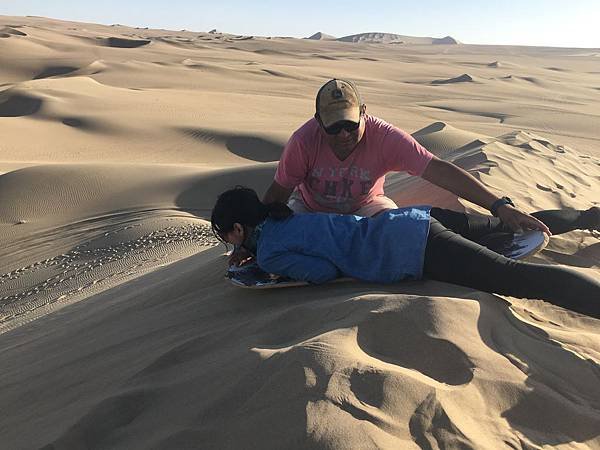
<point x="347" y="183"/>
<point x="337" y="162"/>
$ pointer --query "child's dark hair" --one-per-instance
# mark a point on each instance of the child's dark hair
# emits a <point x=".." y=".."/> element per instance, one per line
<point x="242" y="205"/>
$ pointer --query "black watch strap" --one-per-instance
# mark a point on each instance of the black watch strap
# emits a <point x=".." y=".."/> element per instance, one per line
<point x="498" y="203"/>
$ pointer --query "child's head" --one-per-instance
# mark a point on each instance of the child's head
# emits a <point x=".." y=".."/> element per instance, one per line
<point x="238" y="209"/>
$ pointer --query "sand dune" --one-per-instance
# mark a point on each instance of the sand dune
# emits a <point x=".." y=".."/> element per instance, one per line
<point x="117" y="329"/>
<point x="10" y="31"/>
<point x="115" y="220"/>
<point x="329" y="365"/>
<point x="441" y="138"/>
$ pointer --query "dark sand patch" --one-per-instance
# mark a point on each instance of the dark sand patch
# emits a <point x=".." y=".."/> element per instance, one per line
<point x="18" y="105"/>
<point x="464" y="78"/>
<point x="124" y="43"/>
<point x="53" y="71"/>
<point x="10" y="31"/>
<point x="250" y="147"/>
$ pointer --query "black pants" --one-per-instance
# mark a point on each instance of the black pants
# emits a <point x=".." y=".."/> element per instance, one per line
<point x="452" y="255"/>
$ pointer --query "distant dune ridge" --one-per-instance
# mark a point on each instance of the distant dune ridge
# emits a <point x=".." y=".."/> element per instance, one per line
<point x="321" y="36"/>
<point x="384" y="38"/>
<point x="117" y="328"/>
<point x="389" y="38"/>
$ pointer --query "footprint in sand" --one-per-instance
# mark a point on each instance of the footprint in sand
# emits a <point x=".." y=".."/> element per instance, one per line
<point x="367" y="386"/>
<point x="431" y="427"/>
<point x="90" y="264"/>
<point x="404" y="339"/>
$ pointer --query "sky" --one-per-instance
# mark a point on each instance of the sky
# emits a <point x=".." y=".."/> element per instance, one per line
<point x="560" y="23"/>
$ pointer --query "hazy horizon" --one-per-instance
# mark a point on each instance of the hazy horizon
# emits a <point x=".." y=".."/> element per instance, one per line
<point x="534" y="23"/>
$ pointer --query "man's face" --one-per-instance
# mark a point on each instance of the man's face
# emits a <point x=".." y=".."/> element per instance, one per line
<point x="345" y="141"/>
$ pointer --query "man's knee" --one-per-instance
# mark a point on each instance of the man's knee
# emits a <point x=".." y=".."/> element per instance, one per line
<point x="377" y="206"/>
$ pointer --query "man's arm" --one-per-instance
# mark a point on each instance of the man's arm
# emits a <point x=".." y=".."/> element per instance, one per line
<point x="277" y="193"/>
<point x="458" y="181"/>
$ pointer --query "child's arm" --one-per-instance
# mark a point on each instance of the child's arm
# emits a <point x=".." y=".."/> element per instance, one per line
<point x="300" y="267"/>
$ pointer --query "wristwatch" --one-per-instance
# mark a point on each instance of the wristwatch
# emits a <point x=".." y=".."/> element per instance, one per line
<point x="498" y="203"/>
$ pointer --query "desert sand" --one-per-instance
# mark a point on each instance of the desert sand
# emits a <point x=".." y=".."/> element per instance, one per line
<point x="117" y="328"/>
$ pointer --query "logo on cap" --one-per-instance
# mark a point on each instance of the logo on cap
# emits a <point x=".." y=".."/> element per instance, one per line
<point x="337" y="100"/>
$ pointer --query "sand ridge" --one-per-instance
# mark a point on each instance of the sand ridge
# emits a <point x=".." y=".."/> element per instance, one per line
<point x="117" y="328"/>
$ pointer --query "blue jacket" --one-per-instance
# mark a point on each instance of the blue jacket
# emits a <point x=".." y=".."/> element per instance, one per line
<point x="320" y="247"/>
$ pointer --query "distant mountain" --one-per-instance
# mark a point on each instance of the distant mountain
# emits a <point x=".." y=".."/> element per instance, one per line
<point x="321" y="37"/>
<point x="389" y="38"/>
<point x="446" y="40"/>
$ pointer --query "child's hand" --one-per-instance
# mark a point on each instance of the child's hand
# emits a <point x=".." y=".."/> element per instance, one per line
<point x="239" y="257"/>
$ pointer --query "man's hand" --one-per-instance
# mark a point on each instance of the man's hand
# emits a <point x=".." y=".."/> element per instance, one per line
<point x="277" y="193"/>
<point x="518" y="221"/>
<point x="239" y="257"/>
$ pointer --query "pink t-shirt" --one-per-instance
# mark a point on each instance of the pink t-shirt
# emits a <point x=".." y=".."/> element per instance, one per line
<point x="330" y="185"/>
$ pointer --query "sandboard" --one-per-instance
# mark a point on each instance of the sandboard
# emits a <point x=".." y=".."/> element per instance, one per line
<point x="250" y="275"/>
<point x="514" y="246"/>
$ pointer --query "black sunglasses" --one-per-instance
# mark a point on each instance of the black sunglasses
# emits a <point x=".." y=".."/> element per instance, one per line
<point x="337" y="127"/>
